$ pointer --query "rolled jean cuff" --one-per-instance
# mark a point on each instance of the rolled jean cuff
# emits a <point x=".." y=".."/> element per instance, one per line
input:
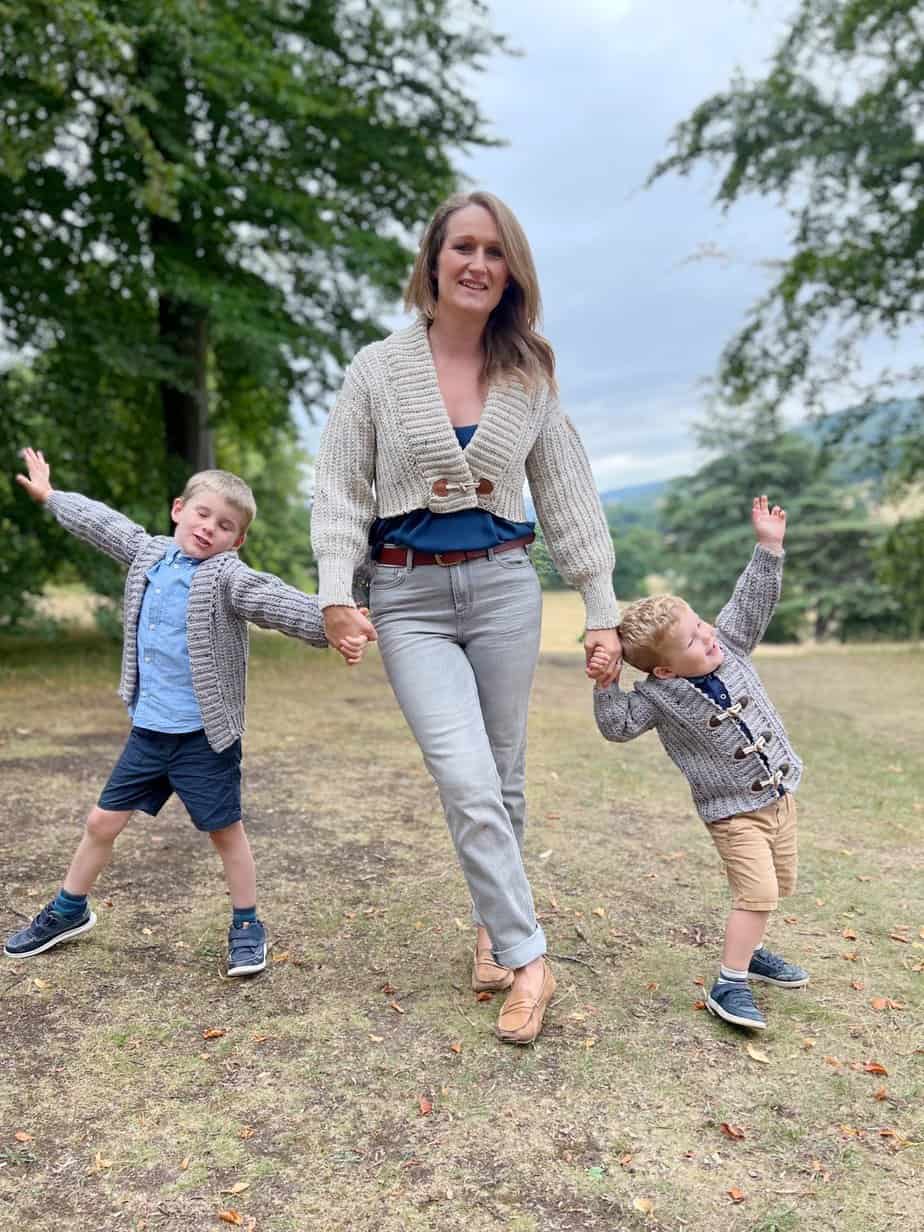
<point x="524" y="951"/>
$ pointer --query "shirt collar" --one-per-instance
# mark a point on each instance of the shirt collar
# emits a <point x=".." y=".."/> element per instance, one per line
<point x="174" y="555"/>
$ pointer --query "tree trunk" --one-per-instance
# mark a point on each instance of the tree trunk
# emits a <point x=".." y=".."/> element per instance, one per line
<point x="189" y="439"/>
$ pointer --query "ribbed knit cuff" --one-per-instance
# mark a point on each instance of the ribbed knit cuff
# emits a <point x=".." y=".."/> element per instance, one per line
<point x="600" y="602"/>
<point x="335" y="582"/>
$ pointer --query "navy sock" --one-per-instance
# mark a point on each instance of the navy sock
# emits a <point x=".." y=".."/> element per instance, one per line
<point x="243" y="915"/>
<point x="69" y="906"/>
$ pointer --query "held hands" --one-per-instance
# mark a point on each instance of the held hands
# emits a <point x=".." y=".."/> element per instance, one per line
<point x="36" y="482"/>
<point x="769" y="524"/>
<point x="349" y="630"/>
<point x="603" y="652"/>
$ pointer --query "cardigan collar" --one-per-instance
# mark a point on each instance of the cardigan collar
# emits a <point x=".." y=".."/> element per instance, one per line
<point x="429" y="431"/>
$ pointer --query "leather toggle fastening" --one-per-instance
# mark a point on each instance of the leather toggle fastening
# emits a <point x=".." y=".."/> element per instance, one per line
<point x="442" y="487"/>
<point x="747" y="749"/>
<point x="772" y="780"/>
<point x="716" y="720"/>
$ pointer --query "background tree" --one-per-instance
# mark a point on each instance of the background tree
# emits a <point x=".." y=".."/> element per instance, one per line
<point x="203" y="209"/>
<point x="834" y="129"/>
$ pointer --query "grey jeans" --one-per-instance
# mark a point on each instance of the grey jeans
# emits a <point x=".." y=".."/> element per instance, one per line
<point x="460" y="646"/>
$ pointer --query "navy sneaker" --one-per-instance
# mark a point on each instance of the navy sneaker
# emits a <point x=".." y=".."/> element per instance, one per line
<point x="246" y="948"/>
<point x="771" y="969"/>
<point x="46" y="930"/>
<point x="732" y="1000"/>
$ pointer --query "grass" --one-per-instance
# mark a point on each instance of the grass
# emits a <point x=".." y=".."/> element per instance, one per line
<point x="130" y="1119"/>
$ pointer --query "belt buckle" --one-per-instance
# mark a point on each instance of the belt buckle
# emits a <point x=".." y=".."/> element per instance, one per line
<point x="445" y="564"/>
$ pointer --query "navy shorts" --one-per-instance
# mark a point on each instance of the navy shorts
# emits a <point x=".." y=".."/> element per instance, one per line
<point x="154" y="765"/>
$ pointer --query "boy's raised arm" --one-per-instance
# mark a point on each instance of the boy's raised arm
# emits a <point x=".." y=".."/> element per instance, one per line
<point x="744" y="618"/>
<point x="91" y="521"/>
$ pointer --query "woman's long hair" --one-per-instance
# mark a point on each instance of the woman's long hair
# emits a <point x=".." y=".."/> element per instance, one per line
<point x="512" y="346"/>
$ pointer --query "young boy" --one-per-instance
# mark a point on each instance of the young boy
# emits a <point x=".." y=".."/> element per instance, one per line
<point x="716" y="722"/>
<point x="184" y="664"/>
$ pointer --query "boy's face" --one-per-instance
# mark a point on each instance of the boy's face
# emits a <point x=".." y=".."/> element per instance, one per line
<point x="206" y="525"/>
<point x="690" y="649"/>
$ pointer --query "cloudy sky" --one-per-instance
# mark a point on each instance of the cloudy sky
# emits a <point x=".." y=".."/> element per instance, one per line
<point x="586" y="111"/>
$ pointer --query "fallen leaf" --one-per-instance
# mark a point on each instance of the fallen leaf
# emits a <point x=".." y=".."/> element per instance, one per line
<point x="851" y="1131"/>
<point x="863" y="877"/>
<point x="808" y="1042"/>
<point x="22" y="1136"/>
<point x="886" y="1003"/>
<point x="880" y="1093"/>
<point x="651" y="986"/>
<point x="425" y="1105"/>
<point x="756" y="1055"/>
<point x="393" y="1005"/>
<point x="846" y="851"/>
<point x="237" y="1187"/>
<point x="282" y="958"/>
<point x="732" y="1131"/>
<point x="791" y="919"/>
<point x="214" y="1032"/>
<point x="484" y="996"/>
<point x="600" y="912"/>
<point x="835" y="1061"/>
<point x="849" y="935"/>
<point x="544" y="855"/>
<point x="699" y="1005"/>
<point x="147" y="932"/>
<point x="858" y="985"/>
<point x="100" y="1164"/>
<point x="377" y="1039"/>
<point x="456" y="1047"/>
<point x="645" y="1205"/>
<point x="246" y="1131"/>
<point x="625" y="1160"/>
<point x="389" y="989"/>
<point x="873" y="1067"/>
<point x="898" y="937"/>
<point x="736" y="1195"/>
<point x="231" y="1217"/>
<point x="257" y="1038"/>
<point x="850" y="957"/>
<point x="41" y="984"/>
<point x="553" y="816"/>
<point x="184" y="1163"/>
<point x="701" y="982"/>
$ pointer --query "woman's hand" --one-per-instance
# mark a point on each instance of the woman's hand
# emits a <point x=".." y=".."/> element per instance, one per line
<point x="348" y="630"/>
<point x="597" y="643"/>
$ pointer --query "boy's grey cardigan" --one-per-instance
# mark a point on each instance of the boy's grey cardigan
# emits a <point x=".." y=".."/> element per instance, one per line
<point x="726" y="773"/>
<point x="224" y="595"/>
<point x="389" y="448"/>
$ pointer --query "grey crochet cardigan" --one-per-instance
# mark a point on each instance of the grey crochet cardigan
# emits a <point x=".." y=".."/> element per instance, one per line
<point x="726" y="772"/>
<point x="224" y="595"/>
<point x="389" y="447"/>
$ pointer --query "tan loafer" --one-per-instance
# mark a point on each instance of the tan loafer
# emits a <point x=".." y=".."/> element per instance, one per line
<point x="488" y="975"/>
<point x="520" y="1020"/>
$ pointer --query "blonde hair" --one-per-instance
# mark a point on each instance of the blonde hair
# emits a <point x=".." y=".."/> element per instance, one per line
<point x="224" y="484"/>
<point x="645" y="626"/>
<point x="512" y="345"/>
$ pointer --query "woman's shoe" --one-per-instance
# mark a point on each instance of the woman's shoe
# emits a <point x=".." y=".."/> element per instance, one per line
<point x="521" y="1018"/>
<point x="488" y="975"/>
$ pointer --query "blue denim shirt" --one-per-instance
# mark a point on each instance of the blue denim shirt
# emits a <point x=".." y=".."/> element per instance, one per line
<point x="165" y="700"/>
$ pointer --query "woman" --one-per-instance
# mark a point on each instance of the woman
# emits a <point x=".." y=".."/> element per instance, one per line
<point x="424" y="460"/>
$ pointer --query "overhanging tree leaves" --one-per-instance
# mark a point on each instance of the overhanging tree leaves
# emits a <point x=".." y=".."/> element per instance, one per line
<point x="210" y="197"/>
<point x="834" y="129"/>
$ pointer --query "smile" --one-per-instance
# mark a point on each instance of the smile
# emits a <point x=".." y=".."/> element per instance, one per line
<point x="473" y="286"/>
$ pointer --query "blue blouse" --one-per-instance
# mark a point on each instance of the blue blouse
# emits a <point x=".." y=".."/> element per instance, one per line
<point x="464" y="531"/>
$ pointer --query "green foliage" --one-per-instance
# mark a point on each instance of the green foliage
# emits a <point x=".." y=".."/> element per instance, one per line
<point x="639" y="552"/>
<point x="901" y="568"/>
<point x="833" y="128"/>
<point x="831" y="586"/>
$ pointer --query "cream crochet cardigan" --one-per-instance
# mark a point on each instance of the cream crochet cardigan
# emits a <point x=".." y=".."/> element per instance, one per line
<point x="389" y="448"/>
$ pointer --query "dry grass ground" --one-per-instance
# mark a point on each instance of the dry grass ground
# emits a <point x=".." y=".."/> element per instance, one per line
<point x="116" y="1113"/>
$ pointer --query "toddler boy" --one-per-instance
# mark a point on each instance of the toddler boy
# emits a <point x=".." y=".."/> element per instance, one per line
<point x="716" y="722"/>
<point x="184" y="663"/>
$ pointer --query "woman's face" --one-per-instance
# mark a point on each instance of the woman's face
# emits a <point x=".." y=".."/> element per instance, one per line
<point x="471" y="270"/>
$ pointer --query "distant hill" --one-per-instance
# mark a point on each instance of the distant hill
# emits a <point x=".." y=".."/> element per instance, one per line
<point x="642" y="495"/>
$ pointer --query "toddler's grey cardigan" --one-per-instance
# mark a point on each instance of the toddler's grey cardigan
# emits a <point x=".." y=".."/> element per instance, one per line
<point x="704" y="741"/>
<point x="224" y="595"/>
<point x="389" y="430"/>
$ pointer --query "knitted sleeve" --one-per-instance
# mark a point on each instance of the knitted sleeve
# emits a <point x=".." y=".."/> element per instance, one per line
<point x="265" y="600"/>
<point x="98" y="525"/>
<point x="744" y="618"/>
<point x="622" y="716"/>
<point x="569" y="511"/>
<point x="344" y="505"/>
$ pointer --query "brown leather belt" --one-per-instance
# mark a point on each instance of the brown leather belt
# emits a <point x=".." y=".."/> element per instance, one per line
<point x="390" y="554"/>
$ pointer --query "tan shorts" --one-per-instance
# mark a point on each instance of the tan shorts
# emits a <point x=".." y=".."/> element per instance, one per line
<point x="759" y="853"/>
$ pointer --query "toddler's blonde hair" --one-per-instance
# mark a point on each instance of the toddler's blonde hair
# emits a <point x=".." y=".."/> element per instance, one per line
<point x="231" y="487"/>
<point x="645" y="626"/>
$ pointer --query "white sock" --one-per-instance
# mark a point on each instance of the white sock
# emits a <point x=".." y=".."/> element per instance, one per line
<point x="729" y="973"/>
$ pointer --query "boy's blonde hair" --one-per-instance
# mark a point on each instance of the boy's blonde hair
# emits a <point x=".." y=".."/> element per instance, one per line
<point x="645" y="626"/>
<point x="224" y="484"/>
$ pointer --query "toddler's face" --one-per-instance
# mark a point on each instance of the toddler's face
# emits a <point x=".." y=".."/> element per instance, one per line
<point x="206" y="525"/>
<point x="690" y="649"/>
